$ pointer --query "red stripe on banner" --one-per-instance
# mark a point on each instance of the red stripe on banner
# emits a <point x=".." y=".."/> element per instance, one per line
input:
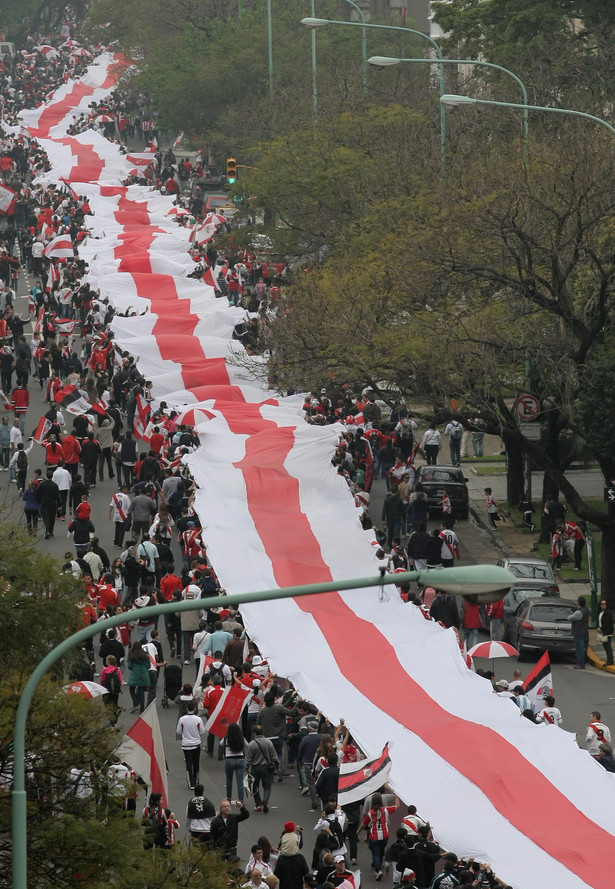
<point x="475" y="751"/>
<point x="355" y="775"/>
<point x="141" y="733"/>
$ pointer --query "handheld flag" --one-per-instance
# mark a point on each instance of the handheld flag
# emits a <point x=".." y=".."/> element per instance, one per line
<point x="7" y="199"/>
<point x="60" y="248"/>
<point x="359" y="779"/>
<point x="143" y="751"/>
<point x="228" y="709"/>
<point x="42" y="430"/>
<point x="539" y="683"/>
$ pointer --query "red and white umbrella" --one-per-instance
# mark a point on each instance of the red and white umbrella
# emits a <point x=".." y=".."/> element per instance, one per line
<point x="217" y="218"/>
<point x="87" y="689"/>
<point x="193" y="416"/>
<point x="178" y="211"/>
<point x="493" y="650"/>
<point x="103" y="118"/>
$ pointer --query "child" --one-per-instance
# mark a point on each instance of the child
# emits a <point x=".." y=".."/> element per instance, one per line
<point x="447" y="509"/>
<point x="492" y="508"/>
<point x="172" y="827"/>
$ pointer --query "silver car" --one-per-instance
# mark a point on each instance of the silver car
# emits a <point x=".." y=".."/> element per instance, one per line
<point x="531" y="572"/>
<point x="542" y="624"/>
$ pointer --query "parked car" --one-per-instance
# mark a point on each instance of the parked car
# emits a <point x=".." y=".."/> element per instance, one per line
<point x="434" y="479"/>
<point x="542" y="624"/>
<point x="514" y="598"/>
<point x="531" y="572"/>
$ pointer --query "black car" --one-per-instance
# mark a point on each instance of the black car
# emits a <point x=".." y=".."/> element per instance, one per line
<point x="542" y="624"/>
<point x="434" y="479"/>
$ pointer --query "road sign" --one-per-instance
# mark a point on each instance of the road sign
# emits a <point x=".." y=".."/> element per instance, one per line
<point x="532" y="431"/>
<point x="528" y="406"/>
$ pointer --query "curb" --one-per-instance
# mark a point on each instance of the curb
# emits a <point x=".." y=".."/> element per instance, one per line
<point x="598" y="663"/>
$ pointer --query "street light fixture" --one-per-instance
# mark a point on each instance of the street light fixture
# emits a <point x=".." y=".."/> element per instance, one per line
<point x="454" y="100"/>
<point x="381" y="62"/>
<point x="477" y="583"/>
<point x="314" y="23"/>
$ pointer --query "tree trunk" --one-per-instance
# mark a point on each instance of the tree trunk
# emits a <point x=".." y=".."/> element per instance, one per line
<point x="607" y="567"/>
<point x="515" y="481"/>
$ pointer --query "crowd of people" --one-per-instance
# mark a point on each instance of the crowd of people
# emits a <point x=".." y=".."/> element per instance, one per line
<point x="70" y="355"/>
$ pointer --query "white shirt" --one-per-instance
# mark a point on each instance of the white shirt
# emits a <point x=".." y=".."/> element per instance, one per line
<point x="551" y="715"/>
<point x="431" y="437"/>
<point x="16" y="437"/>
<point x="190" y="727"/>
<point x="123" y="500"/>
<point x="597" y="733"/>
<point x="62" y="478"/>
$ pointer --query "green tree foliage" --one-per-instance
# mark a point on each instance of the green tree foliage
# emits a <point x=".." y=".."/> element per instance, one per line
<point x="72" y="840"/>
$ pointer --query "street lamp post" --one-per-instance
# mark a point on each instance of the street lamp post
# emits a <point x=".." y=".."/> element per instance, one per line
<point x="314" y="23"/>
<point x="469" y="100"/>
<point x="270" y="49"/>
<point x="387" y="62"/>
<point x="363" y="42"/>
<point x="477" y="583"/>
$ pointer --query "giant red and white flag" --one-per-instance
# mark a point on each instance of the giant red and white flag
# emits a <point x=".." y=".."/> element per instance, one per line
<point x="229" y="710"/>
<point x="61" y="247"/>
<point x="7" y="199"/>
<point x="358" y="779"/>
<point x="143" y="751"/>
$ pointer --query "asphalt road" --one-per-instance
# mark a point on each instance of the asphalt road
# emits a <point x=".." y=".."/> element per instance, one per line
<point x="576" y="693"/>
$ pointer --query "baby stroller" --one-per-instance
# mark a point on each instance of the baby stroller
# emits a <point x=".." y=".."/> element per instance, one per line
<point x="172" y="683"/>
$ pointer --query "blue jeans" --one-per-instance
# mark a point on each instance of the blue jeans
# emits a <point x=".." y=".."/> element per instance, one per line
<point x="377" y="848"/>
<point x="580" y="650"/>
<point x="137" y="693"/>
<point x="262" y="774"/>
<point x="495" y="627"/>
<point x="234" y="765"/>
<point x="470" y="636"/>
<point x="455" y="449"/>
<point x="153" y="682"/>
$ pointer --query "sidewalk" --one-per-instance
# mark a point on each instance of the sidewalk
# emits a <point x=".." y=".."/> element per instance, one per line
<point x="511" y="538"/>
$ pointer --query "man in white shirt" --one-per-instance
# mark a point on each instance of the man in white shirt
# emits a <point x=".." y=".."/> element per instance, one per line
<point x="550" y="713"/>
<point x="597" y="733"/>
<point x="190" y="728"/>
<point x="63" y="479"/>
<point x="16" y="438"/>
<point x="118" y="512"/>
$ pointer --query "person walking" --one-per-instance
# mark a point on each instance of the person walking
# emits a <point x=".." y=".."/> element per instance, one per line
<point x="234" y="746"/>
<point x="190" y="727"/>
<point x="225" y="829"/>
<point x="138" y="678"/>
<point x="376" y="822"/>
<point x="580" y="632"/>
<point x="454" y="430"/>
<point x="261" y="762"/>
<point x="30" y="508"/>
<point x="48" y="496"/>
<point x="63" y="479"/>
<point x="431" y="444"/>
<point x="605" y="630"/>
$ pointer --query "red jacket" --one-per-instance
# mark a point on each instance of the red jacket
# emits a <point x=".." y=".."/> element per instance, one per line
<point x="20" y="399"/>
<point x="70" y="450"/>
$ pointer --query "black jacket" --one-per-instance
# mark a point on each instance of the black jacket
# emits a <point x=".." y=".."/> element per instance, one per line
<point x="444" y="608"/>
<point x="224" y="834"/>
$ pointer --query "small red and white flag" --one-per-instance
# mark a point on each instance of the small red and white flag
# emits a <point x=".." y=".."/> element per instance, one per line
<point x="229" y="709"/>
<point x="179" y="140"/>
<point x="53" y="276"/>
<point x="42" y="430"/>
<point x="59" y="248"/>
<point x="65" y="325"/>
<point x="7" y="199"/>
<point x="143" y="751"/>
<point x="38" y="324"/>
<point x="539" y="683"/>
<point x="358" y="779"/>
<point x="71" y="398"/>
<point x="141" y="420"/>
<point x="203" y="664"/>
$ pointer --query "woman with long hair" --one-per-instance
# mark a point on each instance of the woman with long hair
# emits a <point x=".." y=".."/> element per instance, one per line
<point x="138" y="679"/>
<point x="234" y="759"/>
<point x="376" y="822"/>
<point x="605" y="628"/>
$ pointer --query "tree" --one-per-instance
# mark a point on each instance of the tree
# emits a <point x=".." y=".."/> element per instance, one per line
<point x="89" y="840"/>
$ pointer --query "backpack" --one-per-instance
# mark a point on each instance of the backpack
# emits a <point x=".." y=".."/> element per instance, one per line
<point x="336" y="840"/>
<point x="22" y="460"/>
<point x="155" y="827"/>
<point x="217" y="671"/>
<point x="112" y="683"/>
<point x="456" y="433"/>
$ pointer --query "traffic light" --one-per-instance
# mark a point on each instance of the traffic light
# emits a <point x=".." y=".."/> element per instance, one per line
<point x="231" y="170"/>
